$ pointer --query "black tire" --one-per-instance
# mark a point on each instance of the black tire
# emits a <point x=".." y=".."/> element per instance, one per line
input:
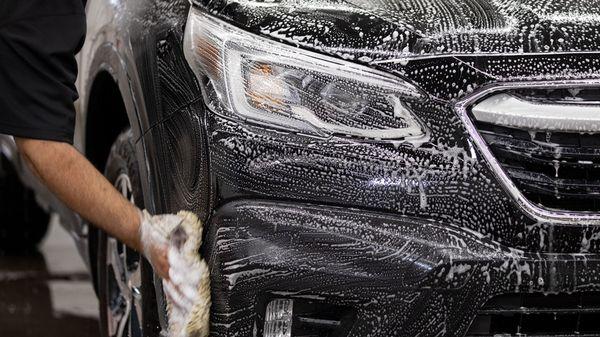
<point x="122" y="162"/>
<point x="23" y="223"/>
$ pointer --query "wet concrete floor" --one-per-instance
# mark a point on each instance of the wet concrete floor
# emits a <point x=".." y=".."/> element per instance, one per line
<point x="47" y="293"/>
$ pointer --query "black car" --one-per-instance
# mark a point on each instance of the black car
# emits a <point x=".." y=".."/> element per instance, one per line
<point x="363" y="168"/>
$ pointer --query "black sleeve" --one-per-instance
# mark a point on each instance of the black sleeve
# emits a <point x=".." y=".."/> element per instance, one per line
<point x="38" y="69"/>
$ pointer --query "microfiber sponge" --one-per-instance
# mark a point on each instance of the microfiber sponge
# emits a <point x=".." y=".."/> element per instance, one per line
<point x="188" y="290"/>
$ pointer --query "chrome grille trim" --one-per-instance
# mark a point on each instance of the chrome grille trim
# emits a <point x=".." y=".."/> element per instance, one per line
<point x="530" y="115"/>
<point x="538" y="213"/>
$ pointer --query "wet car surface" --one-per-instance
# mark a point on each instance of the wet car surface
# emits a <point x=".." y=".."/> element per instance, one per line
<point x="47" y="292"/>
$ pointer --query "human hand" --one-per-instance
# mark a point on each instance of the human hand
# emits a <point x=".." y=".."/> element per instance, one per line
<point x="154" y="243"/>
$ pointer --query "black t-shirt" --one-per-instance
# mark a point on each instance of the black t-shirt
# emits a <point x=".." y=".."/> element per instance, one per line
<point x="38" y="43"/>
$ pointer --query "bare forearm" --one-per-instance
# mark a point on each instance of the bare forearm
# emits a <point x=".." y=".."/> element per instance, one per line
<point x="77" y="183"/>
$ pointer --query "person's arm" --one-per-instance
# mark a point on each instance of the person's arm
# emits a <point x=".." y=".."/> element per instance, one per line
<point x="77" y="183"/>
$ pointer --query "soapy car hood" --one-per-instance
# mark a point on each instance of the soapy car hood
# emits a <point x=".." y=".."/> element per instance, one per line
<point x="384" y="29"/>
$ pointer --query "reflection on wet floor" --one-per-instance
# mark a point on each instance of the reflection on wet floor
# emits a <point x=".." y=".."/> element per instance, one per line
<point x="47" y="293"/>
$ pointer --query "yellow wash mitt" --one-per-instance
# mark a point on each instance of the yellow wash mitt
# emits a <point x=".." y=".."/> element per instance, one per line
<point x="188" y="288"/>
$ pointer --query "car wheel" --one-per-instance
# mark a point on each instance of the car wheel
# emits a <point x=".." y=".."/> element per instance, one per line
<point x="24" y="223"/>
<point x="125" y="279"/>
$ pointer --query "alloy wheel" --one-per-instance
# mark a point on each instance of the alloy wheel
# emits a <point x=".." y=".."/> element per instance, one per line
<point x="124" y="296"/>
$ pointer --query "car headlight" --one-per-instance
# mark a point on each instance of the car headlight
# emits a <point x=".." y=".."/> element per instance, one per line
<point x="280" y="86"/>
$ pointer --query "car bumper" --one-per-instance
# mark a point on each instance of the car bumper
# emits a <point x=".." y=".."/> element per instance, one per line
<point x="400" y="276"/>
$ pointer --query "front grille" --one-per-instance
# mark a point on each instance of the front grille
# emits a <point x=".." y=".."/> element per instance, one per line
<point x="539" y="315"/>
<point x="557" y="170"/>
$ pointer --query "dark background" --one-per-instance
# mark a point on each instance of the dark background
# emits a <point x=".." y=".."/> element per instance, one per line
<point x="47" y="292"/>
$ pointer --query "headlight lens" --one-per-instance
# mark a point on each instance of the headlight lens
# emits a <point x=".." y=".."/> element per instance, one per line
<point x="280" y="86"/>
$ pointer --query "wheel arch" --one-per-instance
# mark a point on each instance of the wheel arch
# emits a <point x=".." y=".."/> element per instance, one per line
<point x="108" y="77"/>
